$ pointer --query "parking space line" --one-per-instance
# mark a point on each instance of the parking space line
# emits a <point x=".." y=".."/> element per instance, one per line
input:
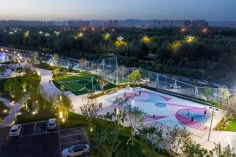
<point x="22" y="129"/>
<point x="34" y="128"/>
<point x="64" y="143"/>
<point x="72" y="128"/>
<point x="59" y="139"/>
<point x="71" y="135"/>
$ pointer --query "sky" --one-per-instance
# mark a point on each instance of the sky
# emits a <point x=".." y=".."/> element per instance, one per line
<point x="211" y="10"/>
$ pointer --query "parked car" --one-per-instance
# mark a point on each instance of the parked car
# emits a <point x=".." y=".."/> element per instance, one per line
<point x="76" y="150"/>
<point x="15" y="130"/>
<point x="52" y="124"/>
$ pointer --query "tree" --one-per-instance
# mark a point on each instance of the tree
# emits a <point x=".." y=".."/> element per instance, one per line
<point x="207" y="92"/>
<point x="35" y="57"/>
<point x="134" y="76"/>
<point x="83" y="63"/>
<point x="176" y="138"/>
<point x="62" y="105"/>
<point x="220" y="151"/>
<point x="90" y="108"/>
<point x="191" y="148"/>
<point x="154" y="136"/>
<point x="122" y="71"/>
<point x="230" y="107"/>
<point x="102" y="83"/>
<point x="10" y="86"/>
<point x="106" y="142"/>
<point x="224" y="93"/>
<point x="56" y="71"/>
<point x="56" y="59"/>
<point x="135" y="117"/>
<point x="119" y="113"/>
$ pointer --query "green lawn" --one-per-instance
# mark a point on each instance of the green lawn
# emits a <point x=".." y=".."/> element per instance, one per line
<point x="231" y="126"/>
<point x="80" y="84"/>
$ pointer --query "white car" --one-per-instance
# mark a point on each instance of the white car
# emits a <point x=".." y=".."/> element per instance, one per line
<point x="76" y="150"/>
<point x="52" y="124"/>
<point x="15" y="130"/>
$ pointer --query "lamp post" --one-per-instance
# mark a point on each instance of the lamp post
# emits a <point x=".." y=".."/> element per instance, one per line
<point x="211" y="123"/>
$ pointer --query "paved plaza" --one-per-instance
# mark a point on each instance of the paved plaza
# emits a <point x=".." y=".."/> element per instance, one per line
<point x="172" y="111"/>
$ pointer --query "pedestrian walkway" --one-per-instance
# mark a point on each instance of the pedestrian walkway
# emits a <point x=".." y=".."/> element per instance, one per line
<point x="14" y="110"/>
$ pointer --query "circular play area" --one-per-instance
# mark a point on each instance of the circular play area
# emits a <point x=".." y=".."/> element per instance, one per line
<point x="165" y="109"/>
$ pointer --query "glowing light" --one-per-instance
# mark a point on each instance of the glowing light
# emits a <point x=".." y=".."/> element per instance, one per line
<point x="60" y="114"/>
<point x="63" y="120"/>
<point x="57" y="33"/>
<point x="146" y="40"/>
<point x="176" y="45"/>
<point x="40" y="32"/>
<point x="34" y="113"/>
<point x="106" y="36"/>
<point x="26" y="34"/>
<point x="183" y="30"/>
<point x="117" y="111"/>
<point x="5" y="111"/>
<point x="204" y="30"/>
<point x="79" y="35"/>
<point x="190" y="39"/>
<point x="47" y="35"/>
<point x="91" y="129"/>
<point x="121" y="44"/>
<point x="120" y="38"/>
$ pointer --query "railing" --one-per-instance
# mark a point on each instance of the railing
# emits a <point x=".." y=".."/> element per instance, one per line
<point x="109" y="69"/>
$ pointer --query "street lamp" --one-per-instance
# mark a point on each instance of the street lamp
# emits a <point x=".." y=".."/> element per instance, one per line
<point x="212" y="114"/>
<point x="120" y="38"/>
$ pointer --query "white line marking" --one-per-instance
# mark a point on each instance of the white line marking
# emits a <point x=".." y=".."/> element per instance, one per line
<point x="59" y="139"/>
<point x="34" y="128"/>
<point x="75" y="141"/>
<point x="62" y="136"/>
<point x="21" y="132"/>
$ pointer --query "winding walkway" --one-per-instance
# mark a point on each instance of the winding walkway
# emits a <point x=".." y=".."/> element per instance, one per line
<point x="14" y="110"/>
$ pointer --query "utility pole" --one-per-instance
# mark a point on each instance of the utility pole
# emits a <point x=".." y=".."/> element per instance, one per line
<point x="211" y="124"/>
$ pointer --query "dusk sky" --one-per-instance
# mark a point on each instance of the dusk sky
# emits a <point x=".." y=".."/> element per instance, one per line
<point x="212" y="10"/>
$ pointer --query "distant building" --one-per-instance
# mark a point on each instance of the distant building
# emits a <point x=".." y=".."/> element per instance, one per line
<point x="111" y="24"/>
<point x="16" y="23"/>
<point x="78" y="23"/>
<point x="195" y="23"/>
<point x="168" y="23"/>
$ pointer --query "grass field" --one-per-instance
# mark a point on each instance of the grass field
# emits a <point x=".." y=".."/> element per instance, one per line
<point x="80" y="84"/>
<point x="230" y="126"/>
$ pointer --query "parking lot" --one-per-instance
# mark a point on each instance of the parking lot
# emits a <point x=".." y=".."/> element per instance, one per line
<point x="36" y="141"/>
<point x="72" y="136"/>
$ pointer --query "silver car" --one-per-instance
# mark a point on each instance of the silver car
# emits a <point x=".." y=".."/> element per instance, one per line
<point x="76" y="150"/>
<point x="52" y="124"/>
<point x="15" y="130"/>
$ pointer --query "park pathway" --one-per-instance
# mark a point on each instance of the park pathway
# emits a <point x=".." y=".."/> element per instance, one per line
<point x="14" y="110"/>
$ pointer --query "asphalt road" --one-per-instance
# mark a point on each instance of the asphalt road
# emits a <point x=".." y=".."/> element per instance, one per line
<point x="36" y="141"/>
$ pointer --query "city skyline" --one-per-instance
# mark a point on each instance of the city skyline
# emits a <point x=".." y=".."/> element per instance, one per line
<point x="43" y="10"/>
